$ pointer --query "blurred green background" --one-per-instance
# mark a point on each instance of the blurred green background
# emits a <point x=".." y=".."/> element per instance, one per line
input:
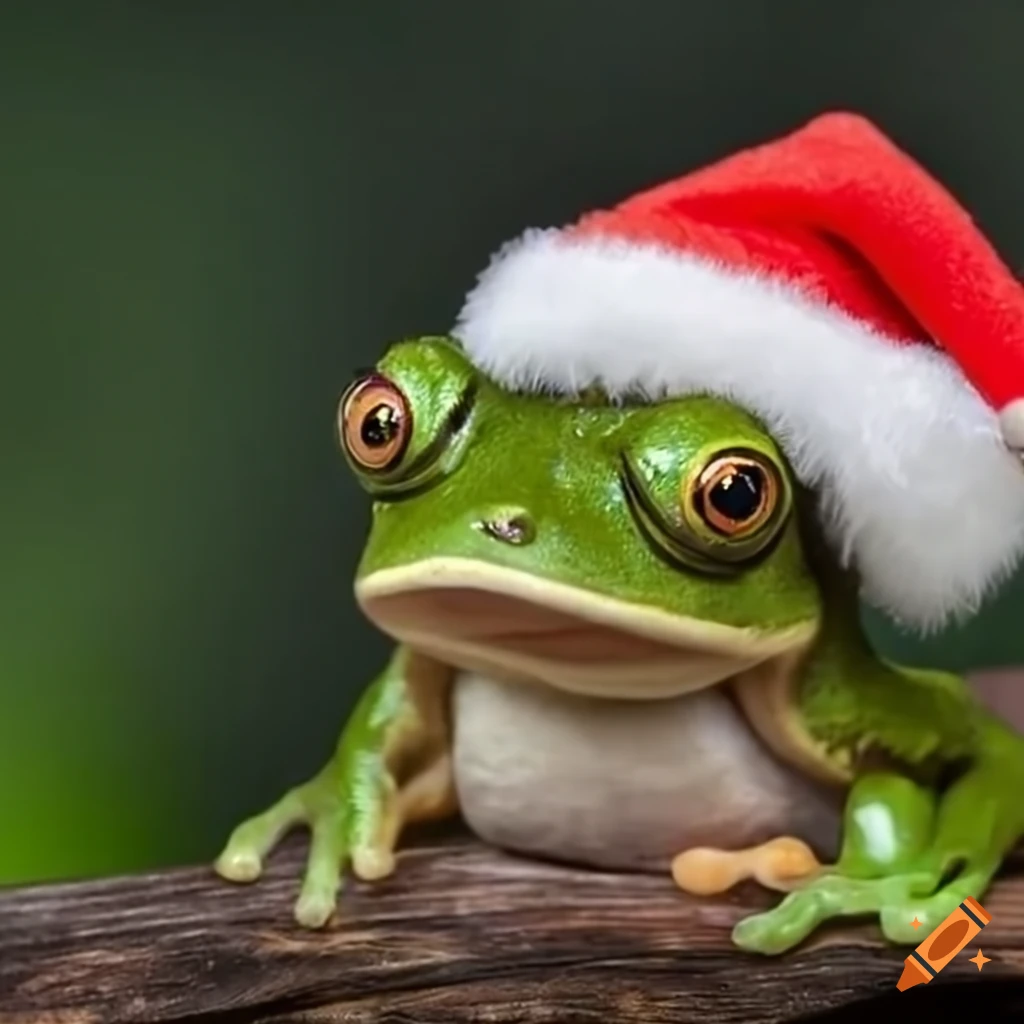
<point x="211" y="213"/>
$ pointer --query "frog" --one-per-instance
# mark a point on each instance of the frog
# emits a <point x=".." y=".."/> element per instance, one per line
<point x="623" y="641"/>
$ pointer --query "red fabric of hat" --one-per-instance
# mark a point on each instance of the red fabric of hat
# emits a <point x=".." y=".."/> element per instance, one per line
<point x="839" y="211"/>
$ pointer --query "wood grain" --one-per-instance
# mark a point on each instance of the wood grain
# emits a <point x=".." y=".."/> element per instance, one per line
<point x="460" y="933"/>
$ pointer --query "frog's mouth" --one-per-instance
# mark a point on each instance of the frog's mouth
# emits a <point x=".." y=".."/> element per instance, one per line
<point x="500" y="621"/>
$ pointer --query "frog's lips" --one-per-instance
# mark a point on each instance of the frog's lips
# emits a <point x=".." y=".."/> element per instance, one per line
<point x="491" y="619"/>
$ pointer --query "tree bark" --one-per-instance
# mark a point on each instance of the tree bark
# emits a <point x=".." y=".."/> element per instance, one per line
<point x="461" y="932"/>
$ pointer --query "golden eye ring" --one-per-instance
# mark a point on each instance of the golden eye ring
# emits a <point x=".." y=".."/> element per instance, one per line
<point x="734" y="495"/>
<point x="374" y="423"/>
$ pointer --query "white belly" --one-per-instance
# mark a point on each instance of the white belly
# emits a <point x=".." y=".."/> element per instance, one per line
<point x="623" y="784"/>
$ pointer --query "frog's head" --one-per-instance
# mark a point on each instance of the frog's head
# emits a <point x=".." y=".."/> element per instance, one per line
<point x="612" y="549"/>
<point x="608" y="548"/>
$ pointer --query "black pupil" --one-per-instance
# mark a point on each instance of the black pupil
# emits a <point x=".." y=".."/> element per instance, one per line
<point x="737" y="496"/>
<point x="380" y="426"/>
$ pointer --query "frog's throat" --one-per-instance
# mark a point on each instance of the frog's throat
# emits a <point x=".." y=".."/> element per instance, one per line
<point x="492" y="619"/>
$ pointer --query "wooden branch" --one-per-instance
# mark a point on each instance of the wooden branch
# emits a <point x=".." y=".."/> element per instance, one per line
<point x="459" y="933"/>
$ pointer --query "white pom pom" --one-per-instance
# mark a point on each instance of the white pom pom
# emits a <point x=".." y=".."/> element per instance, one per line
<point x="1011" y="423"/>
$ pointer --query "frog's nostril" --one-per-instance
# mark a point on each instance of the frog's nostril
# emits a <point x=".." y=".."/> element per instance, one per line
<point x="509" y="527"/>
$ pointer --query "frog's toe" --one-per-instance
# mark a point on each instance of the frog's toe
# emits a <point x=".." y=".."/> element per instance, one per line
<point x="315" y="908"/>
<point x="705" y="871"/>
<point x="788" y="924"/>
<point x="328" y="853"/>
<point x="929" y="908"/>
<point x="242" y="857"/>
<point x="372" y="863"/>
<point x="756" y="934"/>
<point x="373" y="848"/>
<point x="239" y="864"/>
<point x="906" y="923"/>
<point x="775" y="931"/>
<point x="784" y="864"/>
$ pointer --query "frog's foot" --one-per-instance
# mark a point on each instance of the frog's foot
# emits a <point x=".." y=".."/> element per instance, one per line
<point x="355" y="820"/>
<point x="781" y="864"/>
<point x="909" y="906"/>
<point x="318" y="804"/>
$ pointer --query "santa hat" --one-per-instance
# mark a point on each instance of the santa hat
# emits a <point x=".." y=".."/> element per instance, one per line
<point x="831" y="287"/>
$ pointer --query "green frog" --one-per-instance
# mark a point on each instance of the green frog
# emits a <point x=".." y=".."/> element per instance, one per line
<point x="622" y="640"/>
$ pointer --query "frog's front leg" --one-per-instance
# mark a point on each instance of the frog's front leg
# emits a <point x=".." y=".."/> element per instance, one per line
<point x="908" y="853"/>
<point x="392" y="767"/>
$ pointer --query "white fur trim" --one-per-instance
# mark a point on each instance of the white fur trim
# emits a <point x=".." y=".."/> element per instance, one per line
<point x="918" y="489"/>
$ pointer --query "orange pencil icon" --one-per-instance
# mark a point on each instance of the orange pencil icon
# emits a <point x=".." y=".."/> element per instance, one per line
<point x="943" y="944"/>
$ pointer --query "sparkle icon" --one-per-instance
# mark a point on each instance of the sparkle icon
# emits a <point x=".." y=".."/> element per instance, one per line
<point x="915" y="924"/>
<point x="980" y="959"/>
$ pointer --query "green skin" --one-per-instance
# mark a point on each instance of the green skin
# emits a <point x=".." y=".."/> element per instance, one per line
<point x="953" y="773"/>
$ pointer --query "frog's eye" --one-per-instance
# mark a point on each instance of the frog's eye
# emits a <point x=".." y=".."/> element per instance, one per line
<point x="374" y="423"/>
<point x="734" y="495"/>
